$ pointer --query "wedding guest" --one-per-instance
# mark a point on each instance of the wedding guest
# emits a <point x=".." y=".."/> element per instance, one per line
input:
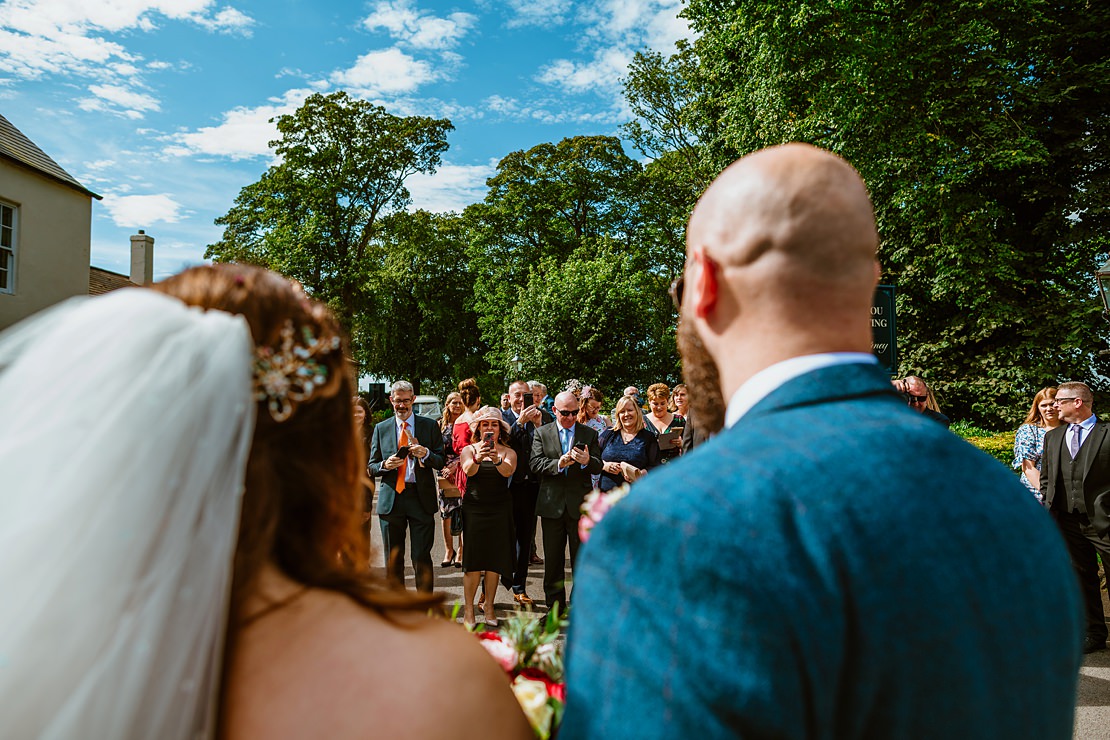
<point x="522" y="417"/>
<point x="1075" y="478"/>
<point x="504" y="401"/>
<point x="679" y="401"/>
<point x="488" y="462"/>
<point x="589" y="410"/>
<point x="460" y="438"/>
<point x="628" y="450"/>
<point x="1029" y="439"/>
<point x="773" y="600"/>
<point x="541" y="399"/>
<point x="361" y="411"/>
<point x="239" y="604"/>
<point x="564" y="456"/>
<point x="661" y="421"/>
<point x="921" y="399"/>
<point x="406" y="451"/>
<point x="450" y="497"/>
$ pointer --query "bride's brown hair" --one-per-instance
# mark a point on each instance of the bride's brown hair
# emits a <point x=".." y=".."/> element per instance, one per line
<point x="303" y="499"/>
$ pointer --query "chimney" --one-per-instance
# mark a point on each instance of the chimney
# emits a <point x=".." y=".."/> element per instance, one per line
<point x="142" y="258"/>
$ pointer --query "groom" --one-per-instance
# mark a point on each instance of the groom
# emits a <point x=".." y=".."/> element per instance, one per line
<point x="407" y="497"/>
<point x="832" y="564"/>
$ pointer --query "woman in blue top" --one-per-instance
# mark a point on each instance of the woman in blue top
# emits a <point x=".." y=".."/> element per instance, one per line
<point x="1029" y="440"/>
<point x="628" y="450"/>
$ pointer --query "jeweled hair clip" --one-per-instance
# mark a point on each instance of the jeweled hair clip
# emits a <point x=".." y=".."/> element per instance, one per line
<point x="291" y="374"/>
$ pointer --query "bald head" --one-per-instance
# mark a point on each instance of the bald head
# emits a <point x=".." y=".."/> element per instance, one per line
<point x="795" y="207"/>
<point x="781" y="260"/>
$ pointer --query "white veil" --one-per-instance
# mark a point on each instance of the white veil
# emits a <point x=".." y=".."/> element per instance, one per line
<point x="126" y="425"/>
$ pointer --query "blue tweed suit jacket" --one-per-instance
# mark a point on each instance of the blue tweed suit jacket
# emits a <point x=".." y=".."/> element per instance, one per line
<point x="833" y="566"/>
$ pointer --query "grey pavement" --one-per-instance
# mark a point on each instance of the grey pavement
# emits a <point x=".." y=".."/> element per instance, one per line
<point x="1092" y="712"/>
<point x="449" y="580"/>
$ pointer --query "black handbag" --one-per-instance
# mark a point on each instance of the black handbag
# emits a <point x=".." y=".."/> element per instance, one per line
<point x="456" y="521"/>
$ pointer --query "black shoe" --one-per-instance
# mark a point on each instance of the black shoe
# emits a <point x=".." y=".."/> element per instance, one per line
<point x="1093" y="645"/>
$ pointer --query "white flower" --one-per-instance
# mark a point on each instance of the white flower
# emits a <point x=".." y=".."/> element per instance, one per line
<point x="532" y="696"/>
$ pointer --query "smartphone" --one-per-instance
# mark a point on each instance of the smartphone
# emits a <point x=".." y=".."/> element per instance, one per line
<point x="580" y="446"/>
<point x="487" y="439"/>
<point x="402" y="452"/>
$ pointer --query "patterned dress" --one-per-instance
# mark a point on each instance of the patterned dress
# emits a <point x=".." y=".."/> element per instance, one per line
<point x="1029" y="445"/>
<point x="447" y="505"/>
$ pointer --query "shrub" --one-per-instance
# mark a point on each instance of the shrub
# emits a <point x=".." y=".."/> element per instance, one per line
<point x="999" y="445"/>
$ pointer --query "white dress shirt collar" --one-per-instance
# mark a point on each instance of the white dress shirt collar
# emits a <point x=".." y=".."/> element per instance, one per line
<point x="760" y="385"/>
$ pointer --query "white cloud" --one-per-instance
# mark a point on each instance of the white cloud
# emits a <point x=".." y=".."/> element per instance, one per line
<point x="614" y="31"/>
<point x="227" y="20"/>
<point x="550" y="111"/>
<point x="137" y="211"/>
<point x="243" y="133"/>
<point x="603" y="73"/>
<point x="452" y="188"/>
<point x="539" y="12"/>
<point x="385" y="72"/>
<point x="110" y="97"/>
<point x="68" y="36"/>
<point x="417" y="28"/>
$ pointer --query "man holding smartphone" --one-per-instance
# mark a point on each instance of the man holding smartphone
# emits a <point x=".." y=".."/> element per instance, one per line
<point x="406" y="451"/>
<point x="564" y="456"/>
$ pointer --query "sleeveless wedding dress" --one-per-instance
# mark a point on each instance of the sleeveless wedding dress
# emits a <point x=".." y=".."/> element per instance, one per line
<point x="126" y="426"/>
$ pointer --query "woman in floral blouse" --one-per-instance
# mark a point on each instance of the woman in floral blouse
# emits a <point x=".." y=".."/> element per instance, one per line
<point x="1029" y="440"/>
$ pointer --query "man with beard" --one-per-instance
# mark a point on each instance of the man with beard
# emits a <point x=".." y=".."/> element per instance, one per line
<point x="831" y="564"/>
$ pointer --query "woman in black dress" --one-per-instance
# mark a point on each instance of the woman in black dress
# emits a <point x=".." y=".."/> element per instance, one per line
<point x="489" y="463"/>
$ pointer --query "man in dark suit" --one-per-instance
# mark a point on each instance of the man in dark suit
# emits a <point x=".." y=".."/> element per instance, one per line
<point x="523" y="420"/>
<point x="830" y="564"/>
<point x="564" y="456"/>
<point x="1075" y="484"/>
<point x="407" y="497"/>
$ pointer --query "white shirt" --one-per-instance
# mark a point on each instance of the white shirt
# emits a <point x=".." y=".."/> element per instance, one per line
<point x="760" y="385"/>
<point x="410" y="470"/>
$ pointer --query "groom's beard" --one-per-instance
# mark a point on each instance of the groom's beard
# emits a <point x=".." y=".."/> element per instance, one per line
<point x="707" y="405"/>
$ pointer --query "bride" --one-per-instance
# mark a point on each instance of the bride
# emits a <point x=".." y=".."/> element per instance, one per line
<point x="180" y="507"/>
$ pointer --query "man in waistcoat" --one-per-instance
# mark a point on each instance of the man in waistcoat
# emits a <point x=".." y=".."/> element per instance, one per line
<point x="1075" y="481"/>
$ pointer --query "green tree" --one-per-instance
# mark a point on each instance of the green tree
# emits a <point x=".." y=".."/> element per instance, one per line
<point x="315" y="215"/>
<point x="422" y="324"/>
<point x="981" y="131"/>
<point x="602" y="319"/>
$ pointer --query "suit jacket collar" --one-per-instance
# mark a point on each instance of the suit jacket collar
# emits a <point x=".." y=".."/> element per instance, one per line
<point x="825" y="385"/>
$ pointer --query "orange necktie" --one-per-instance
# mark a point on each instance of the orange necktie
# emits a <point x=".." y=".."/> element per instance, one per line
<point x="401" y="471"/>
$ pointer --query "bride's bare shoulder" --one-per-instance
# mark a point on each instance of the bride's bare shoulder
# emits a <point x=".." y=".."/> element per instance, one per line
<point x="323" y="666"/>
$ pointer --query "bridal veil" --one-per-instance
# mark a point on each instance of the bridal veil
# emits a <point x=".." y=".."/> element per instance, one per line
<point x="127" y="422"/>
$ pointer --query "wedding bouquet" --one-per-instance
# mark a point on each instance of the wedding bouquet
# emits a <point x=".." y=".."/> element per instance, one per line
<point x="527" y="649"/>
<point x="595" y="506"/>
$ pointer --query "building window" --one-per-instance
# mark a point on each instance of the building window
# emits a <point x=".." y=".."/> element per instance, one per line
<point x="7" y="248"/>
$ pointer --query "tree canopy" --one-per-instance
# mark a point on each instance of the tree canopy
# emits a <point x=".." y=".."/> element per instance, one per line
<point x="315" y="215"/>
<point x="981" y="131"/>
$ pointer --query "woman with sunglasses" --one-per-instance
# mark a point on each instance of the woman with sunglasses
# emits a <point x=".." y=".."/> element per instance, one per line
<point x="1029" y="439"/>
<point x="920" y="398"/>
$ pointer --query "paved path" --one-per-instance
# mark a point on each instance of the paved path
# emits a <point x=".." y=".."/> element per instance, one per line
<point x="1092" y="716"/>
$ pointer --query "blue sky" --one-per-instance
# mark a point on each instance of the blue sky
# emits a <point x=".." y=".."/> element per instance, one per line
<point x="161" y="106"/>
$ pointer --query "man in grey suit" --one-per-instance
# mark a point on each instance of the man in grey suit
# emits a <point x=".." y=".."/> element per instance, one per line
<point x="831" y="564"/>
<point x="405" y="451"/>
<point x="1075" y="485"/>
<point x="564" y="456"/>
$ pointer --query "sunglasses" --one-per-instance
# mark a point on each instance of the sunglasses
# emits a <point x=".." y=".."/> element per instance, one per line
<point x="567" y="412"/>
<point x="917" y="399"/>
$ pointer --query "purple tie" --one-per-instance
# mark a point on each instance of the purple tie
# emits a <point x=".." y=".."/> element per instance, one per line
<point x="1073" y="440"/>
